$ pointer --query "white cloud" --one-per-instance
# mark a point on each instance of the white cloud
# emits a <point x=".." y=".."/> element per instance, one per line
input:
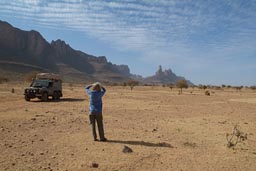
<point x="185" y="30"/>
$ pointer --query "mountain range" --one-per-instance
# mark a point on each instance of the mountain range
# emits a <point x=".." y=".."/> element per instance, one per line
<point x="22" y="52"/>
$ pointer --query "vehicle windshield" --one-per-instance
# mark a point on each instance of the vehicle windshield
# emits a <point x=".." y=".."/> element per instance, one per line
<point x="40" y="83"/>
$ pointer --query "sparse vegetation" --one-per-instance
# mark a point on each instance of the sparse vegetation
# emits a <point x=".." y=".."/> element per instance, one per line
<point x="207" y="93"/>
<point x="3" y="79"/>
<point x="181" y="84"/>
<point x="189" y="144"/>
<point x="30" y="76"/>
<point x="171" y="86"/>
<point x="132" y="83"/>
<point x="253" y="87"/>
<point x="235" y="137"/>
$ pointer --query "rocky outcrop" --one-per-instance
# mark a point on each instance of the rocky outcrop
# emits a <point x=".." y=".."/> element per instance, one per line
<point x="163" y="77"/>
<point x="24" y="46"/>
<point x="29" y="47"/>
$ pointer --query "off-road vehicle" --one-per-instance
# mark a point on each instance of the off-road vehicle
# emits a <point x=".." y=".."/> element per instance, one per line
<point x="44" y="86"/>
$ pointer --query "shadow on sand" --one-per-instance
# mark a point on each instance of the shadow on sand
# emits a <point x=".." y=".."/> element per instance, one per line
<point x="71" y="100"/>
<point x="143" y="143"/>
<point x="60" y="100"/>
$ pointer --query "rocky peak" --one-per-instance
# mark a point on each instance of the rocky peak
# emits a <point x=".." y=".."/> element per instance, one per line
<point x="102" y="59"/>
<point x="60" y="44"/>
<point x="159" y="72"/>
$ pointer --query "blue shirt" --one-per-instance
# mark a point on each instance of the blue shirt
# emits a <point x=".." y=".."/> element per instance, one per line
<point x="95" y="99"/>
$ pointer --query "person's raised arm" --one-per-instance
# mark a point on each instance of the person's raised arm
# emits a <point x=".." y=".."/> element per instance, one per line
<point x="103" y="90"/>
<point x="87" y="89"/>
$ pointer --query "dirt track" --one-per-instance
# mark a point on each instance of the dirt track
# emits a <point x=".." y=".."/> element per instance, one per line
<point x="166" y="131"/>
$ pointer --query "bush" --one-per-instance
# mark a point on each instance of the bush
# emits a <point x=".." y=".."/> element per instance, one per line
<point x="3" y="79"/>
<point x="132" y="83"/>
<point x="30" y="76"/>
<point x="237" y="136"/>
<point x="207" y="93"/>
<point x="181" y="84"/>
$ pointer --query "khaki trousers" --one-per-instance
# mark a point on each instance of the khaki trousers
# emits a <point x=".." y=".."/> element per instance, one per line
<point x="99" y="119"/>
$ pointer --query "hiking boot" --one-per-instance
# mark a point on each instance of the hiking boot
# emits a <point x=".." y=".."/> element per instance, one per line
<point x="103" y="139"/>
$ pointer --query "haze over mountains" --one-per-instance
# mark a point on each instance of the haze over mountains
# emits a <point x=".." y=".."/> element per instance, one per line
<point x="24" y="51"/>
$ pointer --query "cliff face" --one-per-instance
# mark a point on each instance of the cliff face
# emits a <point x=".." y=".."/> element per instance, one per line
<point x="29" y="47"/>
<point x="24" y="46"/>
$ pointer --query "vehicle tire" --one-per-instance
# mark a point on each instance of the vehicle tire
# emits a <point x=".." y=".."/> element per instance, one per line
<point x="27" y="98"/>
<point x="59" y="95"/>
<point x="44" y="96"/>
<point x="55" y="95"/>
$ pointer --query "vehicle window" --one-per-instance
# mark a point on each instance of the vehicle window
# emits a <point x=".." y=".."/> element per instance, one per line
<point x="40" y="83"/>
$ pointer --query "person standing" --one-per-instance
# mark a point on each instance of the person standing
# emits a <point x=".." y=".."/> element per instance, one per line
<point x="96" y="91"/>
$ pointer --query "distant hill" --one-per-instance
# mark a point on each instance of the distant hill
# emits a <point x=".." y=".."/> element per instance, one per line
<point x="26" y="51"/>
<point x="164" y="77"/>
<point x="22" y="52"/>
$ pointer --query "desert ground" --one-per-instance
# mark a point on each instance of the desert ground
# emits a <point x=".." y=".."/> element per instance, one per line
<point x="165" y="131"/>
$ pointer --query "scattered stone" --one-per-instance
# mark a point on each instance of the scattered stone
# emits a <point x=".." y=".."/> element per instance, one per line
<point x="94" y="165"/>
<point x="42" y="153"/>
<point x="127" y="149"/>
<point x="33" y="119"/>
<point x="41" y="139"/>
<point x="13" y="91"/>
<point x="154" y="130"/>
<point x="223" y="122"/>
<point x="38" y="115"/>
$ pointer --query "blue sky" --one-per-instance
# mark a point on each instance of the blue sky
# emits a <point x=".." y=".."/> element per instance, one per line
<point x="206" y="41"/>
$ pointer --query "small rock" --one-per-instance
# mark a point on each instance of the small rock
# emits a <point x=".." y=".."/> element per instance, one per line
<point x="41" y="139"/>
<point x="207" y="93"/>
<point x="33" y="119"/>
<point x="154" y="130"/>
<point x="127" y="149"/>
<point x="94" y="165"/>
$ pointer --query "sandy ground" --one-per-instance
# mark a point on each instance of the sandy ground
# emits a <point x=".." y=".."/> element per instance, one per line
<point x="166" y="131"/>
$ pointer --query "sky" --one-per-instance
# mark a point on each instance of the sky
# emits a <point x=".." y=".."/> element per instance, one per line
<point x="206" y="41"/>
